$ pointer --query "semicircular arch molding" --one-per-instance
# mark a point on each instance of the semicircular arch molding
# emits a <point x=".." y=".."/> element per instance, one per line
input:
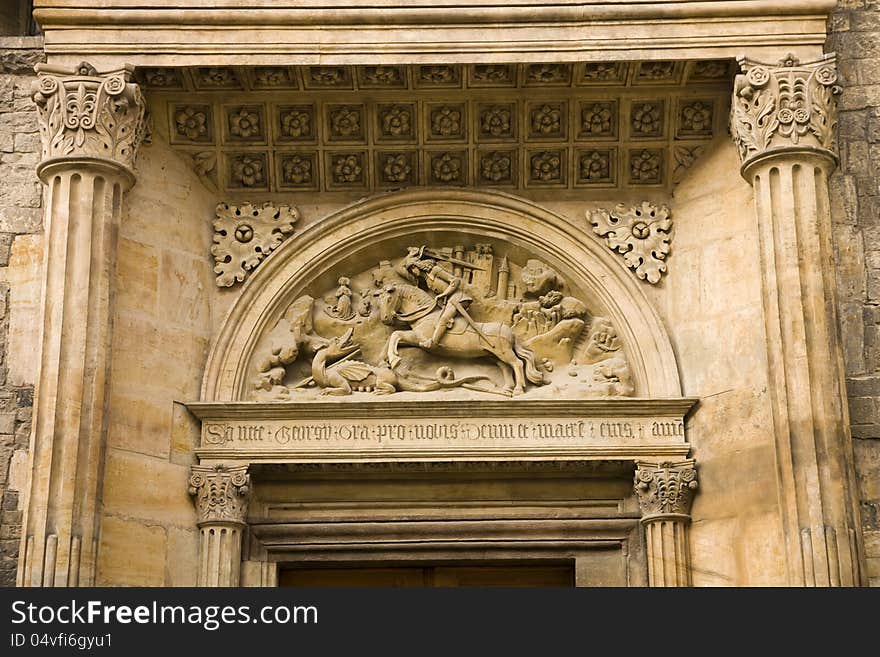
<point x="356" y="234"/>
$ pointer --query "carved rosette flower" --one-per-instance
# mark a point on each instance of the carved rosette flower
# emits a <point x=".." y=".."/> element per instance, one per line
<point x="217" y="76"/>
<point x="696" y="117"/>
<point x="546" y="120"/>
<point x="792" y="104"/>
<point x="162" y="77"/>
<point x="248" y="171"/>
<point x="191" y="123"/>
<point x="711" y="69"/>
<point x="548" y="73"/>
<point x="442" y="74"/>
<point x="297" y="170"/>
<point x="244" y="123"/>
<point x="296" y="124"/>
<point x="345" y="123"/>
<point x="496" y="167"/>
<point x="665" y="489"/>
<point x="601" y="72"/>
<point x="546" y="166"/>
<point x="347" y="169"/>
<point x="595" y="166"/>
<point x="221" y="493"/>
<point x="493" y="73"/>
<point x="244" y="235"/>
<point x="596" y="119"/>
<point x="328" y="76"/>
<point x="644" y="167"/>
<point x="271" y="76"/>
<point x="383" y="76"/>
<point x="446" y="122"/>
<point x="640" y="233"/>
<point x="496" y="121"/>
<point x="397" y="121"/>
<point x="656" y="71"/>
<point x="646" y="118"/>
<point x="85" y="114"/>
<point x="446" y="167"/>
<point x="396" y="168"/>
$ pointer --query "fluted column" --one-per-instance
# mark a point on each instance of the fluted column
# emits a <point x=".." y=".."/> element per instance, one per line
<point x="665" y="492"/>
<point x="221" y="494"/>
<point x="91" y="125"/>
<point x="783" y="120"/>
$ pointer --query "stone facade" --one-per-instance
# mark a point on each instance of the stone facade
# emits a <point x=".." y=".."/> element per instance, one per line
<point x="21" y="226"/>
<point x="855" y="35"/>
<point x="670" y="298"/>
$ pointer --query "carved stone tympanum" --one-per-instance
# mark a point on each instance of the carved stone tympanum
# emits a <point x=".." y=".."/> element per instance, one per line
<point x="440" y="319"/>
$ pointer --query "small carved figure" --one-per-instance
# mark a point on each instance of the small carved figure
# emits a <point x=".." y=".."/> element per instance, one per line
<point x="447" y="287"/>
<point x="343" y="309"/>
<point x="365" y="307"/>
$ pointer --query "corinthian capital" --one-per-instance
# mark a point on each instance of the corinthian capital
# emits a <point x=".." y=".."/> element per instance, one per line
<point x="221" y="493"/>
<point x="784" y="106"/>
<point x="87" y="115"/>
<point x="665" y="488"/>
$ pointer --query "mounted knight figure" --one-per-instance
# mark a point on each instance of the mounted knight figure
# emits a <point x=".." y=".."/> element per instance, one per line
<point x="446" y="286"/>
<point x="430" y="314"/>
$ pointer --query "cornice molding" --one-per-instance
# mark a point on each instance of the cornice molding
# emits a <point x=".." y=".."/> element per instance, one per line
<point x="512" y="31"/>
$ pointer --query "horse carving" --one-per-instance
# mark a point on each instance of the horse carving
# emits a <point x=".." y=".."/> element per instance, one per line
<point x="401" y="303"/>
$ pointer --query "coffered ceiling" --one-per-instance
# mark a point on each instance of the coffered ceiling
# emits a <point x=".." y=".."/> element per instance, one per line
<point x="329" y="129"/>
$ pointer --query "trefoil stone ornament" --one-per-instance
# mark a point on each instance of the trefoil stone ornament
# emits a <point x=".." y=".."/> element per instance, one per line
<point x="641" y="234"/>
<point x="221" y="493"/>
<point x="245" y="234"/>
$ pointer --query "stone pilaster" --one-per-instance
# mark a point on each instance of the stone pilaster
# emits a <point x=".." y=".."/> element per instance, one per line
<point x="782" y="121"/>
<point x="91" y="125"/>
<point x="221" y="495"/>
<point x="665" y="492"/>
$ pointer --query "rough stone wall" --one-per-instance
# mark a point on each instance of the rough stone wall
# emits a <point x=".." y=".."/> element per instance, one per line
<point x="854" y="34"/>
<point x="20" y="227"/>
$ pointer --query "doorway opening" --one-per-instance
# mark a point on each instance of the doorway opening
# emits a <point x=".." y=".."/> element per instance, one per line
<point x="541" y="574"/>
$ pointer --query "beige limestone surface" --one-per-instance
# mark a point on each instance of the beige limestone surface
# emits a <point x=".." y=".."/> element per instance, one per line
<point x="707" y="309"/>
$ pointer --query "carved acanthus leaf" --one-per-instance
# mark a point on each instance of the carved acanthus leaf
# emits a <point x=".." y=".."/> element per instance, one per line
<point x="786" y="105"/>
<point x="87" y="114"/>
<point x="665" y="488"/>
<point x="245" y="234"/>
<point x="221" y="493"/>
<point x="640" y="233"/>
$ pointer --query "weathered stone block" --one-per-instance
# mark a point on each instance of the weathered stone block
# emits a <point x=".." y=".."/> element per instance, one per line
<point x="132" y="553"/>
<point x="147" y="488"/>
